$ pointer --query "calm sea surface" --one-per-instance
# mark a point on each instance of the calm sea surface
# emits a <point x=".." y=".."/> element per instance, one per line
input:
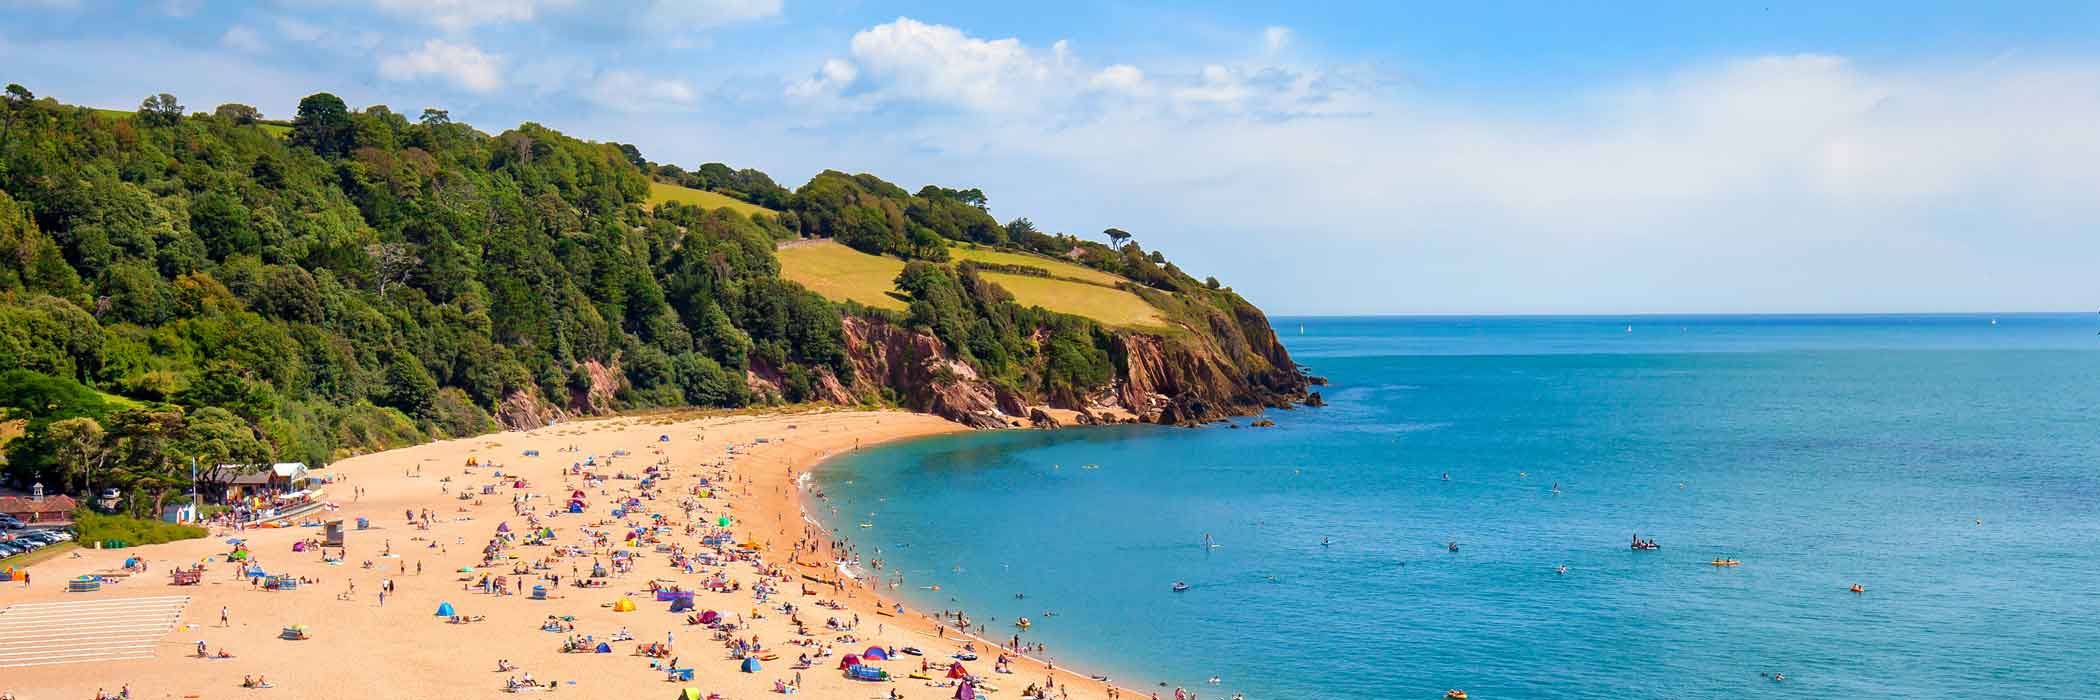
<point x="1949" y="465"/>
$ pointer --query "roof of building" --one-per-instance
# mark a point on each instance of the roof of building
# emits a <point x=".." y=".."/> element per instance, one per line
<point x="235" y="475"/>
<point x="50" y="504"/>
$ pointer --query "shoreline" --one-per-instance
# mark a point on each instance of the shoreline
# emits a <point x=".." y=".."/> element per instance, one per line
<point x="395" y="649"/>
<point x="800" y="477"/>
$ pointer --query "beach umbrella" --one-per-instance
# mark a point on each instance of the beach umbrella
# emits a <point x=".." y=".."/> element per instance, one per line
<point x="445" y="610"/>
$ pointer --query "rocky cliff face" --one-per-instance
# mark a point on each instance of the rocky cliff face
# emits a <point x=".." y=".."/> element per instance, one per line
<point x="1232" y="367"/>
<point x="1237" y="367"/>
<point x="922" y="373"/>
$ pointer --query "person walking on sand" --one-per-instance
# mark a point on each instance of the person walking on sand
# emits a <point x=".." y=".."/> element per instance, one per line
<point x="224" y="617"/>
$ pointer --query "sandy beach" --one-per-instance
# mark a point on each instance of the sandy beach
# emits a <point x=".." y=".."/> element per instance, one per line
<point x="360" y="647"/>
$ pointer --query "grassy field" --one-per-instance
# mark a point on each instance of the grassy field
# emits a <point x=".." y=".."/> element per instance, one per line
<point x="661" y="192"/>
<point x="277" y="130"/>
<point x="1057" y="268"/>
<point x="841" y="273"/>
<point x="22" y="561"/>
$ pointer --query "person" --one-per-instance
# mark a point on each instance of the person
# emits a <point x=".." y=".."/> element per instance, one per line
<point x="224" y="616"/>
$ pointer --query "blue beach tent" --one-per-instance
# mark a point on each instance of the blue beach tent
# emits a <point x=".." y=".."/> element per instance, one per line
<point x="445" y="610"/>
<point x="751" y="665"/>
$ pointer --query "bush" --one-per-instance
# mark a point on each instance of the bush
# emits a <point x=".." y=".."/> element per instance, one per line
<point x="92" y="527"/>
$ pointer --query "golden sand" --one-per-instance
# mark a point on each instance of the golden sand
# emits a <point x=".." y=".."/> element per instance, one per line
<point x="361" y="649"/>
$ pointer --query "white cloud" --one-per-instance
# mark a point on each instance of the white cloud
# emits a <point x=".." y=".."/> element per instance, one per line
<point x="1120" y="78"/>
<point x="298" y="31"/>
<point x="241" y="38"/>
<point x="672" y="17"/>
<point x="915" y="62"/>
<point x="1276" y="39"/>
<point x="461" y="15"/>
<point x="835" y="75"/>
<point x="687" y="15"/>
<point x="912" y="60"/>
<point x="463" y="65"/>
<point x="628" y="91"/>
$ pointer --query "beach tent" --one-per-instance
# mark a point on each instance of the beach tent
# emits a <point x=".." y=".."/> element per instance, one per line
<point x="956" y="670"/>
<point x="751" y="664"/>
<point x="965" y="691"/>
<point x="539" y="592"/>
<point x="603" y="648"/>
<point x="875" y="654"/>
<point x="445" y="610"/>
<point x="623" y="605"/>
<point x="681" y="604"/>
<point x="722" y="521"/>
<point x="709" y="617"/>
<point x="689" y="694"/>
<point x="849" y="662"/>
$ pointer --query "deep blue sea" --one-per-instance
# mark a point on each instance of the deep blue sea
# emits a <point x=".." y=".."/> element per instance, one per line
<point x="1948" y="464"/>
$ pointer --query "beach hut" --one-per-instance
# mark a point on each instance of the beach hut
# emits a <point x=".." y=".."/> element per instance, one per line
<point x="849" y="662"/>
<point x="623" y="605"/>
<point x="445" y="610"/>
<point x="875" y="654"/>
<point x="751" y="665"/>
<point x="956" y="670"/>
<point x="603" y="648"/>
<point x="84" y="584"/>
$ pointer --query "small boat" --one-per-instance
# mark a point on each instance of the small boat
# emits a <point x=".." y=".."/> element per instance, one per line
<point x="1454" y="694"/>
<point x="1726" y="562"/>
<point x="1856" y="588"/>
<point x="1180" y="586"/>
<point x="1023" y="623"/>
<point x="867" y="525"/>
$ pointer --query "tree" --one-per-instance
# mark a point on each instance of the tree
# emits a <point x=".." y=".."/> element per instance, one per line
<point x="81" y="448"/>
<point x="18" y="100"/>
<point x="395" y="261"/>
<point x="323" y="125"/>
<point x="433" y="116"/>
<point x="1116" y="237"/>
<point x="238" y="113"/>
<point x="160" y="110"/>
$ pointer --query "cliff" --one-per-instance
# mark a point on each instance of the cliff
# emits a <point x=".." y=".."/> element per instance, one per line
<point x="1233" y="369"/>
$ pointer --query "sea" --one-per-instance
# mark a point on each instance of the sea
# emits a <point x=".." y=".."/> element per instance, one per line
<point x="1947" y="464"/>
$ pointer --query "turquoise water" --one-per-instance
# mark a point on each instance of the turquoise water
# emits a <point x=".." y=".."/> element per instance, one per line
<point x="1820" y="451"/>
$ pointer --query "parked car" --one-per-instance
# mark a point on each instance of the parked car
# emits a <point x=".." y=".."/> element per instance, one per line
<point x="7" y="551"/>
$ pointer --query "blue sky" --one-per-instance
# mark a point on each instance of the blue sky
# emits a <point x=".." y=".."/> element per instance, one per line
<point x="1344" y="157"/>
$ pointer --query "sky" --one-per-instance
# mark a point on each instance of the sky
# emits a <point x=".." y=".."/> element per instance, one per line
<point x="1338" y="157"/>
